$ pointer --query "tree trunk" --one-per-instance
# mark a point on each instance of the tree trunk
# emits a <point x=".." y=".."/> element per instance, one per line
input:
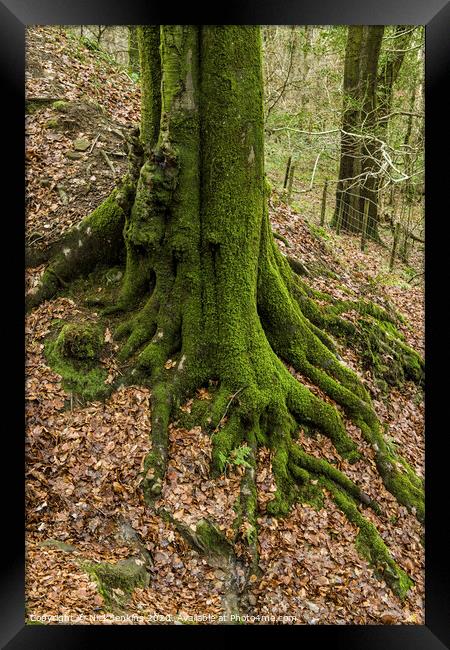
<point x="387" y="76"/>
<point x="206" y="286"/>
<point x="133" y="50"/>
<point x="358" y="162"/>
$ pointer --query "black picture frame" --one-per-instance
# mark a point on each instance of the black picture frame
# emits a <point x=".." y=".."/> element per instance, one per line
<point x="15" y="15"/>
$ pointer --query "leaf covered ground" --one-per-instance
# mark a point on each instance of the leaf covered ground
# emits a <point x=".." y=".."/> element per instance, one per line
<point x="84" y="504"/>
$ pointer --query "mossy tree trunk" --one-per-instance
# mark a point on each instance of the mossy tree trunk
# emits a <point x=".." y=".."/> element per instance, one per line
<point x="358" y="162"/>
<point x="206" y="286"/>
<point x="133" y="49"/>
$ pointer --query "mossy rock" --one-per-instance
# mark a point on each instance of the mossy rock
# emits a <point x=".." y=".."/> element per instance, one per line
<point x="74" y="155"/>
<point x="81" y="144"/>
<point x="52" y="123"/>
<point x="74" y="355"/>
<point x="116" y="582"/>
<point x="60" y="105"/>
<point x="61" y="546"/>
<point x="80" y="341"/>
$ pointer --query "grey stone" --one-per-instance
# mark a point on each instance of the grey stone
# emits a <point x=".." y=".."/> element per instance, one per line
<point x="81" y="144"/>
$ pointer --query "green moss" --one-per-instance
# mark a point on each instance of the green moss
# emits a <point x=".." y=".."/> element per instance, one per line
<point x="198" y="416"/>
<point x="312" y="495"/>
<point x="211" y="541"/>
<point x="375" y="335"/>
<point x="308" y="491"/>
<point x="322" y="468"/>
<point x="116" y="582"/>
<point x="98" y="239"/>
<point x="281" y="238"/>
<point x="52" y="123"/>
<point x="61" y="106"/>
<point x="80" y="341"/>
<point x="148" y="37"/>
<point x="322" y="415"/>
<point x="224" y="441"/>
<point x="371" y="546"/>
<point x="287" y="491"/>
<point x="74" y="355"/>
<point x="196" y="263"/>
<point x="318" y="231"/>
<point x="405" y="485"/>
<point x="61" y="546"/>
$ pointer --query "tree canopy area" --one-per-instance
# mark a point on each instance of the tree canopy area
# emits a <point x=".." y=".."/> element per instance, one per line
<point x="224" y="326"/>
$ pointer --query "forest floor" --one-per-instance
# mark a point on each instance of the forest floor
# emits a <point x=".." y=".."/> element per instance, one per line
<point x="83" y="461"/>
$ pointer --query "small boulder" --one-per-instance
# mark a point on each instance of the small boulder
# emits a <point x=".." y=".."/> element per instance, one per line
<point x="74" y="155"/>
<point x="81" y="144"/>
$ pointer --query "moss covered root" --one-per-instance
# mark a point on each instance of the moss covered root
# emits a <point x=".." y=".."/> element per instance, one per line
<point x="371" y="546"/>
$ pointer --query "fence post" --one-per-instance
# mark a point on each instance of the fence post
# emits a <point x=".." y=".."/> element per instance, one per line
<point x="341" y="209"/>
<point x="364" y="225"/>
<point x="394" y="245"/>
<point x="291" y="179"/>
<point x="286" y="176"/>
<point x="406" y="241"/>
<point x="324" y="203"/>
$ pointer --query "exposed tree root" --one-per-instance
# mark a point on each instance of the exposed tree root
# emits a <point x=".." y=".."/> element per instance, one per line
<point x="177" y="342"/>
<point x="371" y="546"/>
<point x="258" y="402"/>
<point x="98" y="238"/>
<point x="297" y="266"/>
<point x="207" y="540"/>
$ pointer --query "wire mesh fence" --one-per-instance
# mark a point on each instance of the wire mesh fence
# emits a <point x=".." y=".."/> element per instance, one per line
<point x="346" y="208"/>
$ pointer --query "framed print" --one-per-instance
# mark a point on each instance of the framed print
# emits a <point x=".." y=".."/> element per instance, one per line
<point x="231" y="246"/>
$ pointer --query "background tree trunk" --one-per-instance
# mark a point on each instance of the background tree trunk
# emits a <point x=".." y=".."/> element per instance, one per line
<point x="387" y="76"/>
<point x="359" y="116"/>
<point x="133" y="49"/>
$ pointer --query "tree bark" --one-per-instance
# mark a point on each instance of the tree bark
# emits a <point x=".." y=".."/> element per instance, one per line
<point x="358" y="163"/>
<point x="222" y="299"/>
<point x="387" y="76"/>
<point x="133" y="50"/>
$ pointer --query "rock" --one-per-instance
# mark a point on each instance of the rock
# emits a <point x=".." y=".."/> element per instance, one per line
<point x="73" y="155"/>
<point x="62" y="546"/>
<point x="252" y="600"/>
<point x="81" y="144"/>
<point x="116" y="582"/>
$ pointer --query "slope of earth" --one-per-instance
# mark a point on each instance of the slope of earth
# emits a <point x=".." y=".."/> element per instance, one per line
<point x="84" y="505"/>
<point x="79" y="105"/>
